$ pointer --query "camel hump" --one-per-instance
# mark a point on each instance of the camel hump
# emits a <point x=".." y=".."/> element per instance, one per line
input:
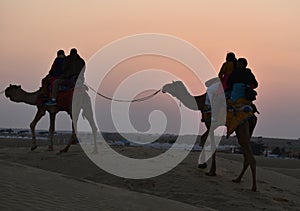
<point x="212" y="81"/>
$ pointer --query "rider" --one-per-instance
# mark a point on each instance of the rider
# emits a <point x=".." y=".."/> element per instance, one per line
<point x="242" y="82"/>
<point x="214" y="88"/>
<point x="54" y="73"/>
<point x="73" y="68"/>
<point x="226" y="70"/>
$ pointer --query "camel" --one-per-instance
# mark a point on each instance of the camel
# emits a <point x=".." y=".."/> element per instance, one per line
<point x="243" y="132"/>
<point x="16" y="94"/>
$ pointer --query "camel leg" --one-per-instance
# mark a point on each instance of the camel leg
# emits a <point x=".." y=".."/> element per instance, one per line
<point x="245" y="166"/>
<point x="202" y="143"/>
<point x="51" y="131"/>
<point x="252" y="124"/>
<point x="212" y="171"/>
<point x="73" y="136"/>
<point x="203" y="138"/>
<point x="88" y="113"/>
<point x="40" y="113"/>
<point x="243" y="135"/>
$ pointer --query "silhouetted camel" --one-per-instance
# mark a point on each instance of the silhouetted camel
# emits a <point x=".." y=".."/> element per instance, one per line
<point x="243" y="132"/>
<point x="16" y="94"/>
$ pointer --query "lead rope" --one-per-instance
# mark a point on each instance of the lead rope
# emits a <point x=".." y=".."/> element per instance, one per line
<point x="121" y="100"/>
<point x="2" y="92"/>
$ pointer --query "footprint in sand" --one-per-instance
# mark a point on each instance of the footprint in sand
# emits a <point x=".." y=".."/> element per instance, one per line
<point x="280" y="199"/>
<point x="213" y="182"/>
<point x="262" y="182"/>
<point x="143" y="185"/>
<point x="244" y="190"/>
<point x="277" y="189"/>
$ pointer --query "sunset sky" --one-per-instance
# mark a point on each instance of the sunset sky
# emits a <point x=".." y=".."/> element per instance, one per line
<point x="267" y="33"/>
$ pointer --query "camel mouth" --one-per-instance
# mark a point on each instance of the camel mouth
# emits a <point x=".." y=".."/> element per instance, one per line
<point x="165" y="88"/>
<point x="8" y="96"/>
<point x="6" y="93"/>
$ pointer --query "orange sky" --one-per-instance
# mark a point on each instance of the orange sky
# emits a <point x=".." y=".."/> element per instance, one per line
<point x="265" y="32"/>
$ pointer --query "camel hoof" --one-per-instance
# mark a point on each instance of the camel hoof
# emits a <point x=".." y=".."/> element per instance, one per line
<point x="202" y="166"/>
<point x="33" y="147"/>
<point x="62" y="151"/>
<point x="211" y="174"/>
<point x="254" y="189"/>
<point x="236" y="180"/>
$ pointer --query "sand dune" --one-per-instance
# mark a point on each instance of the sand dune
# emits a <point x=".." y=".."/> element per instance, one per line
<point x="185" y="183"/>
<point x="28" y="188"/>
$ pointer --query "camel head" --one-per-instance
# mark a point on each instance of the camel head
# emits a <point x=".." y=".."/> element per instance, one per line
<point x="175" y="88"/>
<point x="12" y="91"/>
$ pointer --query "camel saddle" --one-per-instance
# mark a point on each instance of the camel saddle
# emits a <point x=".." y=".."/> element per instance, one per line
<point x="64" y="96"/>
<point x="237" y="113"/>
<point x="64" y="99"/>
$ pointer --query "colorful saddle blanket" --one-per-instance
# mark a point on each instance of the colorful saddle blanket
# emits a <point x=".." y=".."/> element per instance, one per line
<point x="64" y="96"/>
<point x="64" y="99"/>
<point x="237" y="113"/>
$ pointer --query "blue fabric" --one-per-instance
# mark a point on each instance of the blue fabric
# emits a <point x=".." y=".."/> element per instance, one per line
<point x="238" y="91"/>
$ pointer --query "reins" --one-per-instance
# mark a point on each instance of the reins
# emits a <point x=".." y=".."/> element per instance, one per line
<point x="122" y="100"/>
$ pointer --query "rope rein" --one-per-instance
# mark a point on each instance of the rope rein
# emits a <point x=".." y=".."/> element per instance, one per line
<point x="125" y="101"/>
<point x="2" y="92"/>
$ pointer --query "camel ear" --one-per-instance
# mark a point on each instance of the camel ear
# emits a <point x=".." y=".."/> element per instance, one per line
<point x="9" y="85"/>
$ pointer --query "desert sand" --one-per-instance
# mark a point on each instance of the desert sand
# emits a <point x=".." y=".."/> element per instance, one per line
<point x="45" y="181"/>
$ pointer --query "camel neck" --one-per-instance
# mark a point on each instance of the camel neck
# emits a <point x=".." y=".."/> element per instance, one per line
<point x="25" y="97"/>
<point x="187" y="99"/>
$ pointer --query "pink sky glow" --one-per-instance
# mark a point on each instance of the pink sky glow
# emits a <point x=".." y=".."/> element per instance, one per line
<point x="265" y="32"/>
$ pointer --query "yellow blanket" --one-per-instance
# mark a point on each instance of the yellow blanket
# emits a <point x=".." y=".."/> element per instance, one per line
<point x="237" y="113"/>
